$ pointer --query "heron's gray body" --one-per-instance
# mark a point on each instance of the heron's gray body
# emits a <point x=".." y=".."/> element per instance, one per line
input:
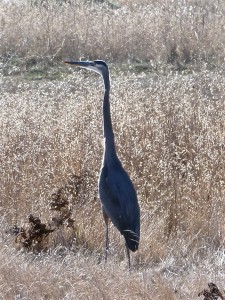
<point x="117" y="193"/>
<point x="124" y="214"/>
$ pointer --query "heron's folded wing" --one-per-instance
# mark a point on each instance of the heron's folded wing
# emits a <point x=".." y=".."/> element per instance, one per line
<point x="121" y="194"/>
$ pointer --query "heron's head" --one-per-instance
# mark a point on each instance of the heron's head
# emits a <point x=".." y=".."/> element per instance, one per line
<point x="98" y="66"/>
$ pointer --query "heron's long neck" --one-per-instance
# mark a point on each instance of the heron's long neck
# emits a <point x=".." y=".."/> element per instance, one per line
<point x="110" y="151"/>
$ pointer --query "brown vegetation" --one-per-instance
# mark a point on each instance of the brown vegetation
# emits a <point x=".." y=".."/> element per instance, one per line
<point x="180" y="32"/>
<point x="169" y="127"/>
<point x="212" y="294"/>
<point x="170" y="136"/>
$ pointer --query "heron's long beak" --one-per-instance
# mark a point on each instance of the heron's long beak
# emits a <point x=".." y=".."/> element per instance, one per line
<point x="84" y="64"/>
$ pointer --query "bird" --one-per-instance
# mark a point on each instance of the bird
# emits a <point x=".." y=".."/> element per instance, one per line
<point x="117" y="193"/>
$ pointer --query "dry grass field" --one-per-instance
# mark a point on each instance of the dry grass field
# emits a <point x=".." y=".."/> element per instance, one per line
<point x="137" y="30"/>
<point x="167" y="104"/>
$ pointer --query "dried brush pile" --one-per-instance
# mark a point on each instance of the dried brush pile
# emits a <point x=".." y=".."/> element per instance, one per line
<point x="212" y="294"/>
<point x="35" y="236"/>
<point x="64" y="204"/>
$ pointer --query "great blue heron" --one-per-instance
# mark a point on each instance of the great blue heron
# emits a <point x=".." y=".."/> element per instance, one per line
<point x="117" y="193"/>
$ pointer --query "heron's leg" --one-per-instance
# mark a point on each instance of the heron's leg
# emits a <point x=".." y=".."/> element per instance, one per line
<point x="106" y="218"/>
<point x="128" y="256"/>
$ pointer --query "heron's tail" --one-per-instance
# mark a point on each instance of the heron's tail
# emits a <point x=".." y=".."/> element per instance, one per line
<point x="132" y="240"/>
